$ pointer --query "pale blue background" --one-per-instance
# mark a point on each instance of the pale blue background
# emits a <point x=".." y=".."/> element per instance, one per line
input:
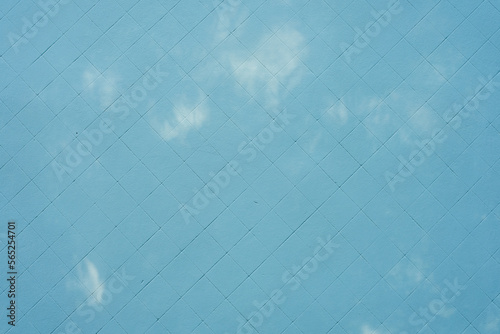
<point x="233" y="67"/>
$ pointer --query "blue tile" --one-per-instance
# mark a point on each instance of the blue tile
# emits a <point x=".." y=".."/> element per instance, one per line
<point x="112" y="159"/>
<point x="58" y="269"/>
<point x="116" y="204"/>
<point x="157" y="328"/>
<point x="57" y="95"/>
<point x="161" y="161"/>
<point x="71" y="248"/>
<point x="268" y="275"/>
<point x="39" y="75"/>
<point x="404" y="232"/>
<point x="123" y="74"/>
<point x="445" y="17"/>
<point x="391" y="298"/>
<point x="68" y="14"/>
<point x="227" y="229"/>
<point x="103" y="181"/>
<point x="180" y="318"/>
<point x="210" y="298"/>
<point x="170" y="24"/>
<point x="337" y="32"/>
<point x="83" y="33"/>
<point x="484" y="144"/>
<point x="77" y="115"/>
<point x="448" y="189"/>
<point x="159" y="250"/>
<point x="16" y="134"/>
<point x="316" y="15"/>
<point x="485" y="18"/>
<point x="104" y="15"/>
<point x="188" y="53"/>
<point x="361" y="240"/>
<point x="315" y="318"/>
<point x="467" y="39"/>
<point x="17" y="95"/>
<point x="361" y="143"/>
<point x="45" y="37"/>
<point x="135" y="308"/>
<point x="136" y="56"/>
<point x="294" y="209"/>
<point x="158" y="296"/>
<point x="484" y="278"/>
<point x="267" y="14"/>
<point x="125" y="32"/>
<point x="73" y="74"/>
<point x="218" y="320"/>
<point x="426" y="211"/>
<point x="487" y="231"/>
<point x="386" y="40"/>
<point x="295" y="164"/>
<point x="102" y="53"/>
<point x="226" y="149"/>
<point x="73" y="202"/>
<point x="111" y="327"/>
<point x="205" y="161"/>
<point x="360" y="99"/>
<point x="138" y="271"/>
<point x="470" y="210"/>
<point x="183" y="183"/>
<point x="244" y="295"/>
<point x="226" y="275"/>
<point x="30" y="201"/>
<point x="382" y="79"/>
<point x="240" y="251"/>
<point x="357" y="14"/>
<point x="404" y="58"/>
<point x="93" y="225"/>
<point x="139" y="182"/>
<point x="271" y="231"/>
<point x="339" y="68"/>
<point x="182" y="230"/>
<point x="138" y="227"/>
<point x="428" y="44"/>
<point x="15" y="178"/>
<point x="266" y="184"/>
<point x="204" y="251"/>
<point x="46" y="315"/>
<point x="251" y="111"/>
<point x="21" y="55"/>
<point x="317" y="186"/>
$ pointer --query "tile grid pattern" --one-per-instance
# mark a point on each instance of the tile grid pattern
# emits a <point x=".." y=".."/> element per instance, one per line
<point x="75" y="191"/>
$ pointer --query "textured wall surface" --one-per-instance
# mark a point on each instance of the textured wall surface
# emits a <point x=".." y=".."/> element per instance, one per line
<point x="280" y="166"/>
